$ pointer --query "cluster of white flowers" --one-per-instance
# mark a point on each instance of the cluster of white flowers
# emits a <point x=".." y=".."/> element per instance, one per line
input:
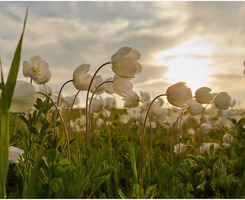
<point x="125" y="65"/>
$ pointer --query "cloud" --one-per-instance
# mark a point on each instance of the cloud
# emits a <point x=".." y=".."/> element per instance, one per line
<point x="67" y="34"/>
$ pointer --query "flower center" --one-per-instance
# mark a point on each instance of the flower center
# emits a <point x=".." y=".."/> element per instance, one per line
<point x="36" y="70"/>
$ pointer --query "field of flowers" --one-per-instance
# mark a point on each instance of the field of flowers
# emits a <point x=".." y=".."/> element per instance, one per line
<point x="179" y="144"/>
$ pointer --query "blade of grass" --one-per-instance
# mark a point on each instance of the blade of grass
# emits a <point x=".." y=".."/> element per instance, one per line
<point x="13" y="72"/>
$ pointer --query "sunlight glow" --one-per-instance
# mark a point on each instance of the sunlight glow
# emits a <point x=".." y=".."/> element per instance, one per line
<point x="188" y="62"/>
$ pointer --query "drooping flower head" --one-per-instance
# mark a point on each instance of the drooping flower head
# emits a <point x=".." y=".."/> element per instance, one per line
<point x="37" y="69"/>
<point x="222" y="101"/>
<point x="24" y="97"/>
<point x="203" y="95"/>
<point x="81" y="78"/>
<point x="15" y="154"/>
<point x="178" y="94"/>
<point x="194" y="108"/>
<point x="124" y="62"/>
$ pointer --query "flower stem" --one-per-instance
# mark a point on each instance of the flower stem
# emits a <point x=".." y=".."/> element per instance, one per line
<point x="89" y="108"/>
<point x="58" y="99"/>
<point x="63" y="122"/>
<point x="109" y="130"/>
<point x="142" y="139"/>
<point x="86" y="108"/>
<point x="69" y="119"/>
<point x="200" y="130"/>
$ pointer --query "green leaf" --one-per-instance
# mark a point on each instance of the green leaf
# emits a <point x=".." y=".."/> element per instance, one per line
<point x="33" y="130"/>
<point x="51" y="155"/>
<point x="13" y="73"/>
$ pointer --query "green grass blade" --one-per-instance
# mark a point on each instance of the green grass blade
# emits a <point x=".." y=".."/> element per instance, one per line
<point x="13" y="72"/>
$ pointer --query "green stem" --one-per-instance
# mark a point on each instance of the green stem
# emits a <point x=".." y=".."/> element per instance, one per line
<point x="86" y="108"/>
<point x="63" y="122"/>
<point x="89" y="108"/>
<point x="58" y="99"/>
<point x="142" y="138"/>
<point x="4" y="151"/>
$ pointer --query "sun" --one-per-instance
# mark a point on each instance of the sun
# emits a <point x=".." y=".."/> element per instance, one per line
<point x="189" y="62"/>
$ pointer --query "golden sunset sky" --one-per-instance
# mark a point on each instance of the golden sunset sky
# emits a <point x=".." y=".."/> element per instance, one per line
<point x="200" y="43"/>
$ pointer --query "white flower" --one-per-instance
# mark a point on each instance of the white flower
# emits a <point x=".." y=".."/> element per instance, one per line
<point x="133" y="112"/>
<point x="97" y="81"/>
<point x="109" y="102"/>
<point x="124" y="62"/>
<point x="203" y="95"/>
<point x="68" y="100"/>
<point x="80" y="121"/>
<point x="97" y="105"/>
<point x="191" y="131"/>
<point x="43" y="90"/>
<point x="145" y="96"/>
<point x="206" y="147"/>
<point x="161" y="115"/>
<point x="106" y="113"/>
<point x="124" y="118"/>
<point x="194" y="108"/>
<point x="131" y="101"/>
<point x="100" y="122"/>
<point x="81" y="79"/>
<point x="179" y="148"/>
<point x="109" y="86"/>
<point x="206" y="127"/>
<point x="14" y="154"/>
<point x="227" y="138"/>
<point x="37" y="69"/>
<point x="222" y="101"/>
<point x="24" y="97"/>
<point x="124" y="88"/>
<point x="178" y="94"/>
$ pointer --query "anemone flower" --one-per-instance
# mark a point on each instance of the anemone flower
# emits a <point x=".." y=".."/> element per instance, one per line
<point x="124" y="62"/>
<point x="24" y="97"/>
<point x="37" y="69"/>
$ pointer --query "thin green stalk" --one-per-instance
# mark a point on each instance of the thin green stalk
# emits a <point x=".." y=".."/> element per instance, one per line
<point x="89" y="108"/>
<point x="69" y="119"/>
<point x="142" y="138"/>
<point x="63" y="122"/>
<point x="86" y="108"/>
<point x="109" y="130"/>
<point x="58" y="100"/>
<point x="200" y="130"/>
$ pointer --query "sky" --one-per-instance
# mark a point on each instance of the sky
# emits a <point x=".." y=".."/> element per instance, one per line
<point x="200" y="43"/>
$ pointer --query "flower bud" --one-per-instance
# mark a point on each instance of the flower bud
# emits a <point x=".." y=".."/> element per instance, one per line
<point x="178" y="94"/>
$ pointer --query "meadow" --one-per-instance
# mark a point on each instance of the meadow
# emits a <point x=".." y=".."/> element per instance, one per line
<point x="179" y="144"/>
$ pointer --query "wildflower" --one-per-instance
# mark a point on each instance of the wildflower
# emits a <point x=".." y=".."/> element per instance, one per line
<point x="145" y="96"/>
<point x="206" y="127"/>
<point x="81" y="79"/>
<point x="37" y="69"/>
<point x="131" y="101"/>
<point x="227" y="138"/>
<point x="98" y="80"/>
<point x="14" y="154"/>
<point x="124" y="118"/>
<point x="178" y="94"/>
<point x="43" y="89"/>
<point x="68" y="100"/>
<point x="222" y="101"/>
<point x="206" y="147"/>
<point x="191" y="131"/>
<point x="194" y="108"/>
<point x="124" y="88"/>
<point x="109" y="86"/>
<point x="179" y="148"/>
<point x="97" y="105"/>
<point x="109" y="102"/>
<point x="24" y="97"/>
<point x="203" y="95"/>
<point x="124" y="62"/>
